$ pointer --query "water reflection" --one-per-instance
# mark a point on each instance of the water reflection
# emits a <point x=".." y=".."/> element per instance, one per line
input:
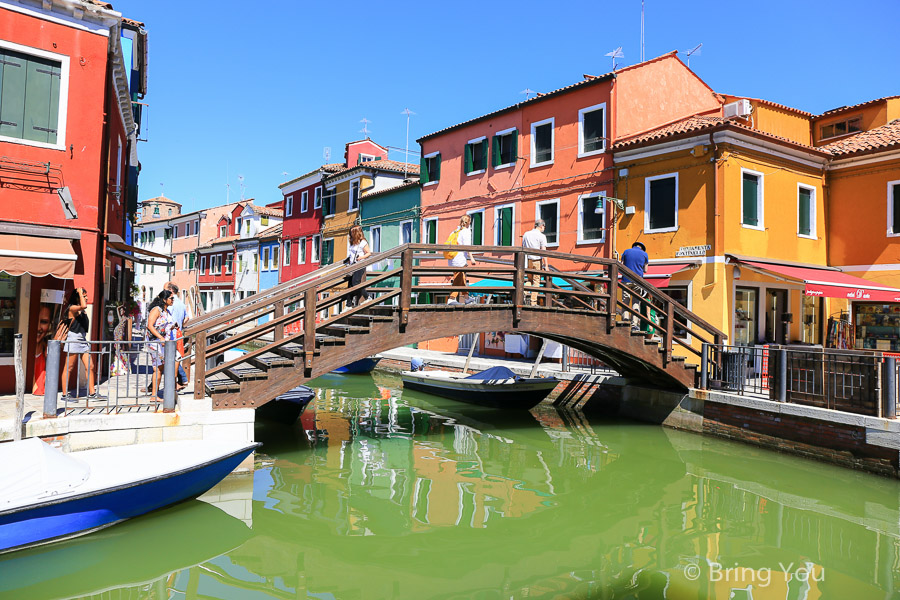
<point x="381" y="493"/>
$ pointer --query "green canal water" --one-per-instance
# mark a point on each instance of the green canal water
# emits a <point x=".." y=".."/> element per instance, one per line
<point x="380" y="493"/>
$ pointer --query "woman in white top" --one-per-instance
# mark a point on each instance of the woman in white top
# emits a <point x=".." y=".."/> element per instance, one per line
<point x="359" y="249"/>
<point x="463" y="238"/>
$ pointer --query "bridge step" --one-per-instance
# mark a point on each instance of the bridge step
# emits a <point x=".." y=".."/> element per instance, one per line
<point x="341" y="328"/>
<point x="221" y="383"/>
<point x="271" y="360"/>
<point x="365" y="319"/>
<point x="289" y="351"/>
<point x="245" y="372"/>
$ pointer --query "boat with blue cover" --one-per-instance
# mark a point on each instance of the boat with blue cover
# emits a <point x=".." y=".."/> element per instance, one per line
<point x="287" y="407"/>
<point x="48" y="495"/>
<point x="497" y="387"/>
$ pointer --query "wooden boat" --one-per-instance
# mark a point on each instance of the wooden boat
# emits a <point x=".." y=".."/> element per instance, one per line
<point x="497" y="387"/>
<point x="47" y="495"/>
<point x="286" y="408"/>
<point x="364" y="365"/>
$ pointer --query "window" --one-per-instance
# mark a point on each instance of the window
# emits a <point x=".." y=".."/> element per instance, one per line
<point x="682" y="295"/>
<point x="275" y="257"/>
<point x="223" y="230"/>
<point x="476" y="156"/>
<point x="229" y="262"/>
<point x="745" y="316"/>
<point x="263" y="220"/>
<point x="328" y="252"/>
<point x="430" y="171"/>
<point x="287" y="252"/>
<point x="255" y="262"/>
<point x="364" y="158"/>
<point x="504" y="148"/>
<point x="844" y="127"/>
<point x="330" y="199"/>
<point x="504" y="228"/>
<point x="317" y="198"/>
<point x="375" y="239"/>
<point x="549" y="212"/>
<point x="301" y="255"/>
<point x="806" y="211"/>
<point x="893" y="207"/>
<point x="542" y="143"/>
<point x="751" y="199"/>
<point x="226" y="298"/>
<point x="156" y="210"/>
<point x="33" y="96"/>
<point x="151" y="236"/>
<point x="265" y="262"/>
<point x="316" y="248"/>
<point x="477" y="226"/>
<point x="592" y="130"/>
<point x="354" y="196"/>
<point x="591" y="218"/>
<point x="431" y="231"/>
<point x="167" y="234"/>
<point x="406" y="232"/>
<point x="289" y="206"/>
<point x="304" y="201"/>
<point x="247" y="226"/>
<point x="661" y="211"/>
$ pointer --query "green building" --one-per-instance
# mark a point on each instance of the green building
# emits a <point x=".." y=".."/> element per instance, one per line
<point x="390" y="217"/>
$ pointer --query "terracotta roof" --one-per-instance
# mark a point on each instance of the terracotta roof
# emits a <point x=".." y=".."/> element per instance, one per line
<point x="132" y="22"/>
<point x="840" y="109"/>
<point x="393" y="188"/>
<point x="274" y="231"/>
<point x="265" y="210"/>
<point x="221" y="240"/>
<point x="880" y="138"/>
<point x="330" y="168"/>
<point x="364" y="140"/>
<point x="392" y="166"/>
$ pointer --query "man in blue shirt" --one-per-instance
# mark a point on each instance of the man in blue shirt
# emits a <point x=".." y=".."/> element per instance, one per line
<point x="636" y="259"/>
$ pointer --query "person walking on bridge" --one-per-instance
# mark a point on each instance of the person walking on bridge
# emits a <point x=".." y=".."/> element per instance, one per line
<point x="178" y="310"/>
<point x="463" y="237"/>
<point x="636" y="259"/>
<point x="535" y="240"/>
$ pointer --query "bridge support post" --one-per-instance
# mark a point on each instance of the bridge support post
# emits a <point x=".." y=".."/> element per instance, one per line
<point x="612" y="304"/>
<point x="670" y="330"/>
<point x="704" y="367"/>
<point x="51" y="381"/>
<point x="782" y="374"/>
<point x="279" y="312"/>
<point x="889" y="394"/>
<point x="169" y="373"/>
<point x="406" y="266"/>
<point x="309" y="327"/>
<point x="518" y="287"/>
<point x="200" y="365"/>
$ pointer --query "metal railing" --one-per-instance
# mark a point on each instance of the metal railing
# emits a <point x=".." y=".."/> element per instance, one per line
<point x="853" y="381"/>
<point x="112" y="376"/>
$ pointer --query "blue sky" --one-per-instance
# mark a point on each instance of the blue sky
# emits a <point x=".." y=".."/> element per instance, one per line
<point x="261" y="88"/>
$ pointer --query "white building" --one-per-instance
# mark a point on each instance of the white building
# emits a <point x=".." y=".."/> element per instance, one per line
<point x="249" y="224"/>
<point x="154" y="232"/>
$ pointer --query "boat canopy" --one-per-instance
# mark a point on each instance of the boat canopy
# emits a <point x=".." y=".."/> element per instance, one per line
<point x="34" y="469"/>
<point x="495" y="373"/>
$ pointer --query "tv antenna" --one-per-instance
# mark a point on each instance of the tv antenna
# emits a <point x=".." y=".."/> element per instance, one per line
<point x="162" y="190"/>
<point x="326" y="153"/>
<point x="617" y="53"/>
<point x="365" y="128"/>
<point x="527" y="91"/>
<point x="241" y="179"/>
<point x="642" y="31"/>
<point x="694" y="50"/>
<point x="408" y="113"/>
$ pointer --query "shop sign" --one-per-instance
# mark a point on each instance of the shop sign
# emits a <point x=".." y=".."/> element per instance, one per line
<point x="52" y="296"/>
<point x="693" y="251"/>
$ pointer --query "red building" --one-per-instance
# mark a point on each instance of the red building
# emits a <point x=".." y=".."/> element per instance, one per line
<point x="215" y="277"/>
<point x="68" y="163"/>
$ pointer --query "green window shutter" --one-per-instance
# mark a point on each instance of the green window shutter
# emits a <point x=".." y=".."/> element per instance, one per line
<point x="468" y="159"/>
<point x="515" y="146"/>
<point x="432" y="232"/>
<point x="41" y="78"/>
<point x="191" y="258"/>
<point x="477" y="229"/>
<point x="750" y="200"/>
<point x="423" y="170"/>
<point x="506" y="226"/>
<point x="484" y="154"/>
<point x="438" y="168"/>
<point x="495" y="151"/>
<point x="804" y="225"/>
<point x="12" y="94"/>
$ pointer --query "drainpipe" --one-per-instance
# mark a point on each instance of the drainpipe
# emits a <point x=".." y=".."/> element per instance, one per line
<point x="100" y="274"/>
<point x="717" y="244"/>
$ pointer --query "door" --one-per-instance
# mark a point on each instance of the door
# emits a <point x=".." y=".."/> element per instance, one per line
<point x="776" y="308"/>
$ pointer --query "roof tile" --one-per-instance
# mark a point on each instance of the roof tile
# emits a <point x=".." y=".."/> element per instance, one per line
<point x="880" y="138"/>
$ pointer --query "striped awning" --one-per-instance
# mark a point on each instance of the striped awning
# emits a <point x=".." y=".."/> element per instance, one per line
<point x="37" y="256"/>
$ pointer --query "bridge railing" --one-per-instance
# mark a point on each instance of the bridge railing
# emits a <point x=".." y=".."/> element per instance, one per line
<point x="414" y="274"/>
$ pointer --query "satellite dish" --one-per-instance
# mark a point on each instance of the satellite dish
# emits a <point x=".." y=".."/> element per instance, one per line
<point x="617" y="53"/>
<point x="691" y="52"/>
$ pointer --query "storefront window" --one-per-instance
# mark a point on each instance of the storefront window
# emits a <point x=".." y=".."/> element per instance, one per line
<point x="776" y="311"/>
<point x="877" y="326"/>
<point x="745" y="311"/>
<point x="680" y="295"/>
<point x="811" y="320"/>
<point x="8" y="287"/>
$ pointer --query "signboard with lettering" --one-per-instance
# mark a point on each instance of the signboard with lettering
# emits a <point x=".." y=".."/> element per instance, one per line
<point x="693" y="251"/>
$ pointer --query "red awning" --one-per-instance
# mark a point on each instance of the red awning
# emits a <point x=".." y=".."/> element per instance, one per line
<point x="660" y="274"/>
<point x="831" y="284"/>
<point x="39" y="256"/>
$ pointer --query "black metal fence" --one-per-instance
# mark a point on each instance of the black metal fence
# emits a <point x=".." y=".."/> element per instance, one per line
<point x="853" y="381"/>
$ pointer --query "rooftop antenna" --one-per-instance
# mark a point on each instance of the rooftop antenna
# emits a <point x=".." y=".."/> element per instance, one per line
<point x="241" y="179"/>
<point x="408" y="113"/>
<point x="162" y="190"/>
<point x="365" y="128"/>
<point x="326" y="153"/>
<point x="284" y="173"/>
<point x="527" y="91"/>
<point x="694" y="50"/>
<point x="617" y="53"/>
<point x="227" y="185"/>
<point x="642" y="31"/>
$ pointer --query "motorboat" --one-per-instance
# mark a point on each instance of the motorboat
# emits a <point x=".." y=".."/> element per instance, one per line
<point x="286" y="408"/>
<point x="497" y="387"/>
<point x="363" y="365"/>
<point x="48" y="495"/>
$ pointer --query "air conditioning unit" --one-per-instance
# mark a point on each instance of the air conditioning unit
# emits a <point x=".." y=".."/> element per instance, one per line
<point x="741" y="108"/>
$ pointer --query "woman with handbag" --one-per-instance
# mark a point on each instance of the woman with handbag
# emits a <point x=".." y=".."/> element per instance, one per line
<point x="76" y="341"/>
<point x="359" y="249"/>
<point x="160" y="327"/>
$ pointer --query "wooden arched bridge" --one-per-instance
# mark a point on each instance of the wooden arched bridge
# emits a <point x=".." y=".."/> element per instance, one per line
<point x="313" y="326"/>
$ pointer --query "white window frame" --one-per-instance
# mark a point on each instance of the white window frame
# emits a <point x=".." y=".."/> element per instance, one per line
<point x="581" y="113"/>
<point x="316" y="249"/>
<point x="286" y="253"/>
<point x="535" y="125"/>
<point x="496" y="236"/>
<point x="266" y="259"/>
<point x="486" y="158"/>
<point x="812" y="211"/>
<point x="304" y="201"/>
<point x="372" y="237"/>
<point x="890" y="208"/>
<point x="203" y="265"/>
<point x="411" y="240"/>
<point x="317" y="197"/>
<point x="223" y="230"/>
<point x="760" y="200"/>
<point x="537" y="215"/>
<point x="426" y="157"/>
<point x="470" y="213"/>
<point x="289" y="206"/>
<point x="580" y="241"/>
<point x="647" y="182"/>
<point x="425" y="230"/>
<point x="361" y="156"/>
<point x="229" y="265"/>
<point x="61" y="118"/>
<point x="510" y="131"/>
<point x="324" y="242"/>
<point x="301" y="251"/>
<point x="351" y="208"/>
